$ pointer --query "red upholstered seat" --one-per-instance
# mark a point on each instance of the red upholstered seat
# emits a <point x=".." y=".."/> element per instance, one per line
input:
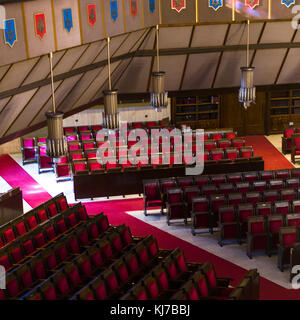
<point x="29" y="154"/>
<point x="71" y="137"/>
<point x="62" y="203"/>
<point x="289" y="239"/>
<point x="79" y="167"/>
<point x="52" y="209"/>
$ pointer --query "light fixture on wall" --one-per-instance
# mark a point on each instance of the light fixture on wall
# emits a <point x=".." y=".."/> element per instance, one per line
<point x="110" y="114"/>
<point x="247" y="93"/>
<point x="56" y="142"/>
<point x="158" y="96"/>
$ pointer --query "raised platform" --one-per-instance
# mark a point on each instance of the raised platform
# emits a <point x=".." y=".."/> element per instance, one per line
<point x="130" y="182"/>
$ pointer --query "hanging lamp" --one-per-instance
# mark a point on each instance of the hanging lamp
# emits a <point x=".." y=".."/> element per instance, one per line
<point x="56" y="142"/>
<point x="158" y="96"/>
<point x="247" y="93"/>
<point x="110" y="114"/>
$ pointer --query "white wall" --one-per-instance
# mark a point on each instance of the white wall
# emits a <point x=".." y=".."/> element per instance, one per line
<point x="129" y="114"/>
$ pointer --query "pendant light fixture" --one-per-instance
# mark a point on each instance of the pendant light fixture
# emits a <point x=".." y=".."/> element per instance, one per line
<point x="56" y="143"/>
<point x="158" y="96"/>
<point x="110" y="114"/>
<point x="247" y="93"/>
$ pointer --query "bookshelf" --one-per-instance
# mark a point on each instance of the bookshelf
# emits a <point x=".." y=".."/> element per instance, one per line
<point x="284" y="108"/>
<point x="196" y="111"/>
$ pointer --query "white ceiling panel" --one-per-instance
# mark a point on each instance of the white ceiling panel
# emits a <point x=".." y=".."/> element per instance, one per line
<point x="290" y="71"/>
<point x="200" y="71"/>
<point x="175" y="37"/>
<point x="209" y="35"/>
<point x="267" y="64"/>
<point x="276" y="32"/>
<point x="238" y="33"/>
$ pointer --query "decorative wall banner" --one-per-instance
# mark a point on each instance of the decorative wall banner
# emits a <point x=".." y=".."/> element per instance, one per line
<point x="92" y="17"/>
<point x="252" y="3"/>
<point x="10" y="32"/>
<point x="133" y="7"/>
<point x="215" y="4"/>
<point x="40" y="25"/>
<point x="178" y="5"/>
<point x="114" y="10"/>
<point x="288" y="3"/>
<point x="68" y="20"/>
<point x="152" y="6"/>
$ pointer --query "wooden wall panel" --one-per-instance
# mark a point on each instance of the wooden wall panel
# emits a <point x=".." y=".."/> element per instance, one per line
<point x="66" y="39"/>
<point x="37" y="46"/>
<point x="112" y="28"/>
<point x="134" y="22"/>
<point x="172" y="16"/>
<point x="18" y="51"/>
<point x="151" y="19"/>
<point x="91" y="33"/>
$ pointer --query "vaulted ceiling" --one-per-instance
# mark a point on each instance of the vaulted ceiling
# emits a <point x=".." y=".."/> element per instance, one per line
<point x="194" y="57"/>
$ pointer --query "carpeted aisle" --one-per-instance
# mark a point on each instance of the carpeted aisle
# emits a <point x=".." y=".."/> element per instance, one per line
<point x="33" y="193"/>
<point x="272" y="157"/>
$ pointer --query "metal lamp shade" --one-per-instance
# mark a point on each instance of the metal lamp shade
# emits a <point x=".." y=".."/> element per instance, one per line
<point x="56" y="142"/>
<point x="247" y="93"/>
<point x="111" y="114"/>
<point x="158" y="96"/>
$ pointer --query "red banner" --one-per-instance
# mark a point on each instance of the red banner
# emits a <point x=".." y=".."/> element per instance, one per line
<point x="178" y="5"/>
<point x="133" y="7"/>
<point x="40" y="25"/>
<point x="252" y="3"/>
<point x="92" y="14"/>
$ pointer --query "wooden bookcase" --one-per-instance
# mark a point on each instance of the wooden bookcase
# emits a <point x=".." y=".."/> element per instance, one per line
<point x="196" y="112"/>
<point x="284" y="108"/>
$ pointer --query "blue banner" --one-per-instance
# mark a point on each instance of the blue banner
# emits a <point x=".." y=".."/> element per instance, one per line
<point x="114" y="10"/>
<point x="10" y="33"/>
<point x="215" y="4"/>
<point x="152" y="5"/>
<point x="288" y="3"/>
<point x="68" y="20"/>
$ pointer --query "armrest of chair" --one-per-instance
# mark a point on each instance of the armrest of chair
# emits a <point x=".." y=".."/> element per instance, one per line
<point x="224" y="282"/>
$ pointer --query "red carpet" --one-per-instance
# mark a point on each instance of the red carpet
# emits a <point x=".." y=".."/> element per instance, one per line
<point x="115" y="210"/>
<point x="33" y="193"/>
<point x="272" y="157"/>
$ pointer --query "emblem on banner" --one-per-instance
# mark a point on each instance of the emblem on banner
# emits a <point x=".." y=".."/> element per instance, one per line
<point x="252" y="3"/>
<point x="68" y="20"/>
<point x="92" y="14"/>
<point x="178" y="5"/>
<point x="288" y="3"/>
<point x="133" y="7"/>
<point x="40" y="25"/>
<point x="152" y="6"/>
<point x="10" y="33"/>
<point x="215" y="4"/>
<point x="114" y="10"/>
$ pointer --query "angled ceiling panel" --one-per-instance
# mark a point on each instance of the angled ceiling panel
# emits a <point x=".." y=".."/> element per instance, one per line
<point x="90" y="54"/>
<point x="173" y="66"/>
<point x="78" y="90"/>
<point x="69" y="59"/>
<point x="32" y="108"/>
<point x="3" y="103"/>
<point x="290" y="71"/>
<point x="174" y="37"/>
<point x="130" y="42"/>
<point x="16" y="74"/>
<point x="276" y="32"/>
<point x="238" y="33"/>
<point x="149" y="40"/>
<point x="139" y="67"/>
<point x="267" y="64"/>
<point x="200" y="71"/>
<point x="60" y="94"/>
<point x="12" y="109"/>
<point x="3" y="70"/>
<point x="229" y="73"/>
<point x="203" y="35"/>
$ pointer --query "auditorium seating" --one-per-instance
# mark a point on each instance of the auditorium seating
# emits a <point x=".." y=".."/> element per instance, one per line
<point x="295" y="147"/>
<point x="72" y="256"/>
<point x="249" y="206"/>
<point x="286" y="140"/>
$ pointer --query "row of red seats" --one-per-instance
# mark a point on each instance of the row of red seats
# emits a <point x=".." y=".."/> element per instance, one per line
<point x="28" y="221"/>
<point x="57" y="260"/>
